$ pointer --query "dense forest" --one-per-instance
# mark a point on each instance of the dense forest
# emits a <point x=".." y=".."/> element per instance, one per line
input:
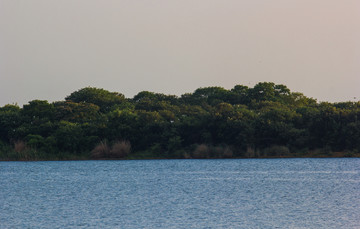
<point x="265" y="121"/>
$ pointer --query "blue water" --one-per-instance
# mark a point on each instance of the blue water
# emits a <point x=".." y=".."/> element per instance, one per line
<point x="263" y="193"/>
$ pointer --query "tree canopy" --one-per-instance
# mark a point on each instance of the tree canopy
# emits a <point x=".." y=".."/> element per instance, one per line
<point x="267" y="120"/>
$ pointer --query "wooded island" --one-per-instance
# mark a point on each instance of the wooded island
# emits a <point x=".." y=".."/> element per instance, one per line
<point x="266" y="121"/>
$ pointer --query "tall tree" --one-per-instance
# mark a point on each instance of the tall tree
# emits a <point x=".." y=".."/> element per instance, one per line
<point x="100" y="97"/>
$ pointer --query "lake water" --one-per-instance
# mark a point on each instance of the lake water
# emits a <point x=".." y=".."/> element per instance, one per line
<point x="259" y="193"/>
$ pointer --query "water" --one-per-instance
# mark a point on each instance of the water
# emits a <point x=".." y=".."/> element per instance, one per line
<point x="264" y="193"/>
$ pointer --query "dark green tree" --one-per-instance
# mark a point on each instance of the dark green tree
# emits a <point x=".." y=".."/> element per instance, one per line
<point x="100" y="97"/>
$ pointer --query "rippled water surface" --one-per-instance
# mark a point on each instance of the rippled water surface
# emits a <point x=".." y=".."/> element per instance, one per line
<point x="274" y="193"/>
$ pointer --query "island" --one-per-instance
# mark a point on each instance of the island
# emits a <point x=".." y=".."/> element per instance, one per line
<point x="265" y="121"/>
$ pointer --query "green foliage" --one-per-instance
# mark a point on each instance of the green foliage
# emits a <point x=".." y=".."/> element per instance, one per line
<point x="38" y="109"/>
<point x="100" y="97"/>
<point x="267" y="120"/>
<point x="206" y="96"/>
<point x="69" y="137"/>
<point x="263" y="92"/>
<point x="35" y="141"/>
<point x="76" y="112"/>
<point x="10" y="119"/>
<point x="239" y="95"/>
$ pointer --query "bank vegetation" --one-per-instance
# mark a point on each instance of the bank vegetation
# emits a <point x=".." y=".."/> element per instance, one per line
<point x="266" y="121"/>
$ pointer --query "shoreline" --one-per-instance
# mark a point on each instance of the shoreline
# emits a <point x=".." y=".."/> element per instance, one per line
<point x="334" y="155"/>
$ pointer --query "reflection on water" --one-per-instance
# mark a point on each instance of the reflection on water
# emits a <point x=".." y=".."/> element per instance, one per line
<point x="266" y="193"/>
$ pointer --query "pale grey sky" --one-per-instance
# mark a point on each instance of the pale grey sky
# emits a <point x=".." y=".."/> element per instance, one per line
<point x="50" y="48"/>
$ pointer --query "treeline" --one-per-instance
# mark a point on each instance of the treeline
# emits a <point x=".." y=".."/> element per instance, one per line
<point x="267" y="120"/>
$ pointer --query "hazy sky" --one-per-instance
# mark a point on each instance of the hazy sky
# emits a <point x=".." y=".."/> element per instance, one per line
<point x="50" y="48"/>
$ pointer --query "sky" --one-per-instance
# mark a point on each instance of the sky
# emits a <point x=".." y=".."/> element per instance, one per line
<point x="51" y="48"/>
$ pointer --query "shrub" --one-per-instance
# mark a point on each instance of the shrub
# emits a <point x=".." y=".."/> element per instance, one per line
<point x="201" y="151"/>
<point x="35" y="141"/>
<point x="227" y="152"/>
<point x="120" y="149"/>
<point x="101" y="150"/>
<point x="276" y="151"/>
<point x="250" y="152"/>
<point x="19" y="146"/>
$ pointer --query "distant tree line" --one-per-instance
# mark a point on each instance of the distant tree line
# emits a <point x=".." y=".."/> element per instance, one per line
<point x="267" y="120"/>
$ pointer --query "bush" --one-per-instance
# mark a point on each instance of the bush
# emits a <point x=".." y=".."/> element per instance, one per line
<point x="19" y="146"/>
<point x="201" y="151"/>
<point x="227" y="152"/>
<point x="35" y="141"/>
<point x="101" y="150"/>
<point x="120" y="149"/>
<point x="276" y="151"/>
<point x="205" y="151"/>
